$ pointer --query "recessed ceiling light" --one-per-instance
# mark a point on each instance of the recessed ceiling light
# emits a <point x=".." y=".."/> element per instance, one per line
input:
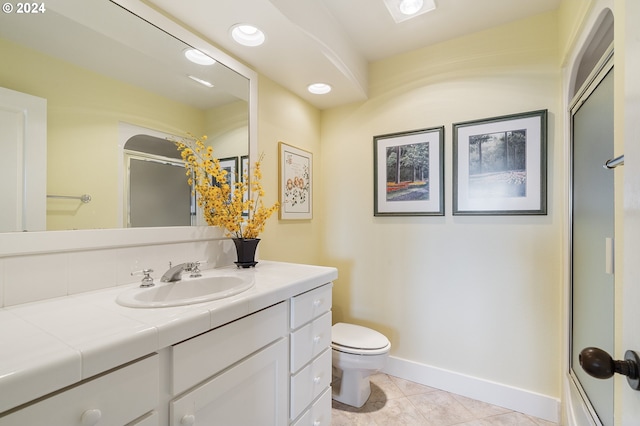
<point x="197" y="57"/>
<point x="247" y="35"/>
<point x="401" y="10"/>
<point x="410" y="7"/>
<point x="201" y="81"/>
<point x="319" y="88"/>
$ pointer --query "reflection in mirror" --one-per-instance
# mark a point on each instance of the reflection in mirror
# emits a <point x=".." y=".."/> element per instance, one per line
<point x="98" y="68"/>
<point x="156" y="193"/>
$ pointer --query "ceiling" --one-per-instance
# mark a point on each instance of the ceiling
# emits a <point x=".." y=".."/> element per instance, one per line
<point x="333" y="41"/>
<point x="97" y="36"/>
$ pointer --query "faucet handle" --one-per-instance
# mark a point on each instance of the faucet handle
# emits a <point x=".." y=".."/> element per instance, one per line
<point x="195" y="269"/>
<point x="147" y="280"/>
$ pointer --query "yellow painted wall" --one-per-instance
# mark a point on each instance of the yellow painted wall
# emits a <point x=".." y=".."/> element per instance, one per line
<point x="571" y="18"/>
<point x="284" y="117"/>
<point x="480" y="296"/>
<point x="83" y="111"/>
<point x="227" y="128"/>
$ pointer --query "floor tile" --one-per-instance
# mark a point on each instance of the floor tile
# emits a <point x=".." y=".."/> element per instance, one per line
<point x="480" y="409"/>
<point x="411" y="388"/>
<point x="400" y="402"/>
<point x="441" y="408"/>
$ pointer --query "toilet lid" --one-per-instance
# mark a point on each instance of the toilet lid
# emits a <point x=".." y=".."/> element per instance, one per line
<point x="357" y="337"/>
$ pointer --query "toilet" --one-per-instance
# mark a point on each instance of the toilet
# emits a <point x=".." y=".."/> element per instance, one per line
<point x="357" y="353"/>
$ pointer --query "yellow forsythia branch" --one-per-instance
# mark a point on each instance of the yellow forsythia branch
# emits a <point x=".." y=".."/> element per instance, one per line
<point x="223" y="205"/>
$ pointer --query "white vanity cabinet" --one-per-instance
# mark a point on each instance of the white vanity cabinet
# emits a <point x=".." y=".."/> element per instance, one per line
<point x="244" y="366"/>
<point x="122" y="396"/>
<point x="266" y="361"/>
<point x="310" y="365"/>
<point x="272" y="367"/>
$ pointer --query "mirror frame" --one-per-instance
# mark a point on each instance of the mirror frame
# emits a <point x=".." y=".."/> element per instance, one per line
<point x="24" y="243"/>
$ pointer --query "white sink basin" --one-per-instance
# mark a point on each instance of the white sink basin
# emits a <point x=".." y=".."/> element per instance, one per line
<point x="186" y="291"/>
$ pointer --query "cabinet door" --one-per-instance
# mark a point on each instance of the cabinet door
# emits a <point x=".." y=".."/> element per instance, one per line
<point x="253" y="392"/>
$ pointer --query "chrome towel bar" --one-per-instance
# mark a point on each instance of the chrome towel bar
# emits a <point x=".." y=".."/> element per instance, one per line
<point x="614" y="162"/>
<point x="85" y="198"/>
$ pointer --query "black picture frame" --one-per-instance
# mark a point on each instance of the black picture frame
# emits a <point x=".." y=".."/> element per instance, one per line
<point x="500" y="165"/>
<point x="413" y="186"/>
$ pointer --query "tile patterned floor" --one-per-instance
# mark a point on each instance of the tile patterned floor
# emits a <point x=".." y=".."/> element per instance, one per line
<point x="399" y="402"/>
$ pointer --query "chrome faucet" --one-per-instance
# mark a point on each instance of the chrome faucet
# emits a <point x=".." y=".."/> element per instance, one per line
<point x="175" y="272"/>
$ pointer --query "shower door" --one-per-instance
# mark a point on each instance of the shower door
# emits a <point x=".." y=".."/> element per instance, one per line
<point x="592" y="233"/>
<point x="158" y="194"/>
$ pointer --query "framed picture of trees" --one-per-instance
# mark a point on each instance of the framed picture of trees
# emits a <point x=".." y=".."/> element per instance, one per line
<point x="409" y="173"/>
<point x="500" y="165"/>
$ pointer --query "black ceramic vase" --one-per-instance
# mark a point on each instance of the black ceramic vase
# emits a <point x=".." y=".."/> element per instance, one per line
<point x="246" y="251"/>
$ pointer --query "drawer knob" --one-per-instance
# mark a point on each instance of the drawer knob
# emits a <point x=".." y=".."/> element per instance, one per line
<point x="188" y="420"/>
<point x="91" y="417"/>
<point x="317" y="303"/>
<point x="316" y="380"/>
<point x="316" y="339"/>
<point x="316" y="423"/>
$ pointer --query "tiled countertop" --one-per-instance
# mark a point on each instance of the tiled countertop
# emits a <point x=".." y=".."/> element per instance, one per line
<point x="51" y="344"/>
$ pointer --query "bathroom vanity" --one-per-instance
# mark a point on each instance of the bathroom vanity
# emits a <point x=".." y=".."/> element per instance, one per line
<point x="259" y="357"/>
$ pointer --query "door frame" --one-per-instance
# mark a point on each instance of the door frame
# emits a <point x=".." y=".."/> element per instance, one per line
<point x="575" y="410"/>
<point x="600" y="71"/>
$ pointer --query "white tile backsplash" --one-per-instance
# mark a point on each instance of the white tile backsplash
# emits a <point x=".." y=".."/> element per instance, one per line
<point x="132" y="260"/>
<point x="33" y="277"/>
<point x="92" y="270"/>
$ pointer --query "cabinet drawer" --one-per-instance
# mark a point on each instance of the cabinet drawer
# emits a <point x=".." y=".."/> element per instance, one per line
<point x="309" y="305"/>
<point x="203" y="356"/>
<point x="320" y="412"/>
<point x="310" y="340"/>
<point x="310" y="382"/>
<point x="111" y="399"/>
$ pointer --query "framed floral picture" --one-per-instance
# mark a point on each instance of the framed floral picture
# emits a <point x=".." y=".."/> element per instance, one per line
<point x="408" y="170"/>
<point x="500" y="165"/>
<point x="295" y="182"/>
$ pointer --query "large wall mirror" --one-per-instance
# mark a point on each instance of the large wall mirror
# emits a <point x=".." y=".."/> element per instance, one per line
<point x="105" y="76"/>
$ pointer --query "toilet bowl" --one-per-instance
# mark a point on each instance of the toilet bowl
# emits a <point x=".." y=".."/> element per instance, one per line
<point x="357" y="353"/>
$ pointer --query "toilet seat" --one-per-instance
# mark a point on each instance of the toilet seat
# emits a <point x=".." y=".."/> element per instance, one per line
<point x="354" y="339"/>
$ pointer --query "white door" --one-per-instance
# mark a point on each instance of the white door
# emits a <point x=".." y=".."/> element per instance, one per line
<point x="23" y="153"/>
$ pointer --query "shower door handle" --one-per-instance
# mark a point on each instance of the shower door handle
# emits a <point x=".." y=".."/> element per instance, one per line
<point x="599" y="364"/>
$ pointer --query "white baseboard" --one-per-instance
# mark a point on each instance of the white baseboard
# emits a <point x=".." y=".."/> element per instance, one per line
<point x="522" y="401"/>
